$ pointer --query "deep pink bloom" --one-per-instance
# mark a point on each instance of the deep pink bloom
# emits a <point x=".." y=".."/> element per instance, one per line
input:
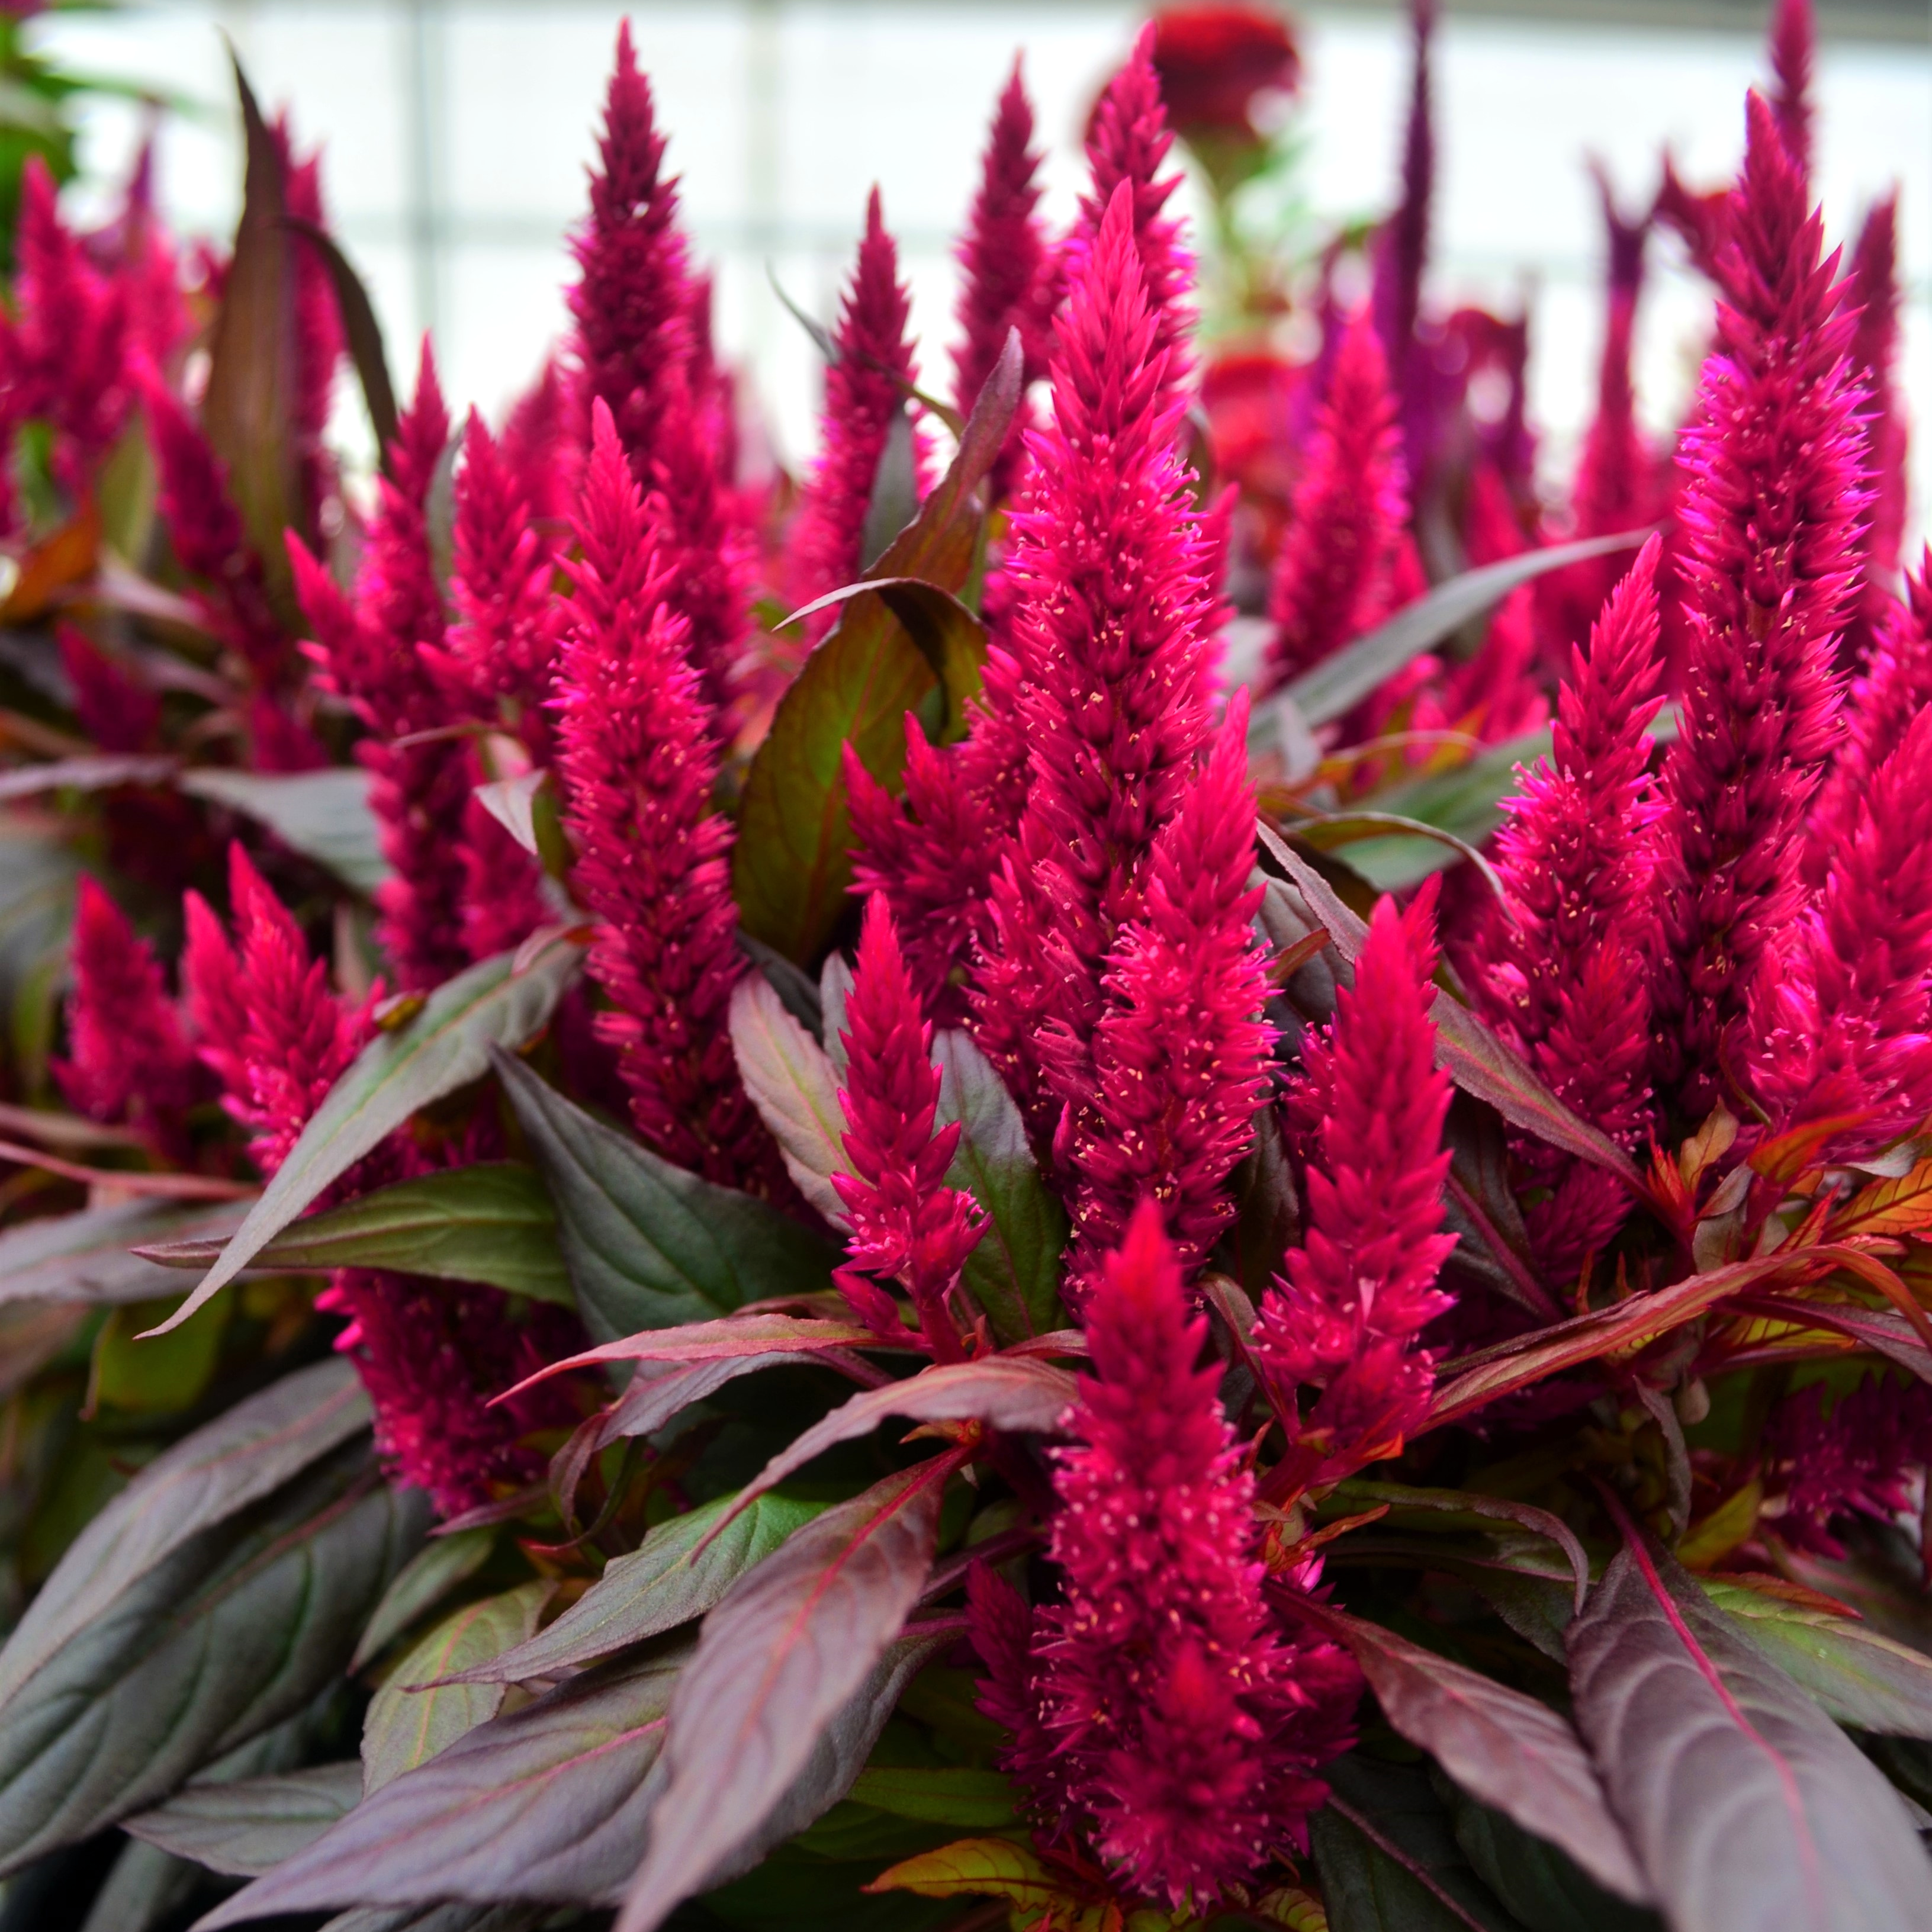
<point x="864" y="397"/>
<point x="1851" y="1033"/>
<point x="906" y="1223"/>
<point x="1333" y="575"/>
<point x="1699" y="220"/>
<point x="1872" y="289"/>
<point x="1181" y="1056"/>
<point x="1008" y="275"/>
<point x="1794" y="36"/>
<point x="1215" y="61"/>
<point x="1187" y="1730"/>
<point x="503" y="901"/>
<point x="1127" y="141"/>
<point x="1356" y="1297"/>
<point x="1771" y="513"/>
<point x="1000" y="1623"/>
<point x="1576" y="857"/>
<point x="1110" y="659"/>
<point x="638" y="757"/>
<point x="1893" y="690"/>
<point x="143" y="257"/>
<point x="543" y="440"/>
<point x="115" y="709"/>
<point x="1402" y="253"/>
<point x="1856" y="1458"/>
<point x="127" y="1058"/>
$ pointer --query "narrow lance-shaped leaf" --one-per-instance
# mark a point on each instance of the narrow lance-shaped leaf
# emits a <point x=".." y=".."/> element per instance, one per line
<point x="445" y="1047"/>
<point x="791" y="1083"/>
<point x="246" y="1829"/>
<point x="364" y="334"/>
<point x="324" y="815"/>
<point x="88" y="1256"/>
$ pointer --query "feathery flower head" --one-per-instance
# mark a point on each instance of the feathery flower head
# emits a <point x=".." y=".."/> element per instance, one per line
<point x="1363" y="1288"/>
<point x="1333" y="575"/>
<point x="118" y="711"/>
<point x="907" y="1223"/>
<point x="638" y="759"/>
<point x="1794" y="37"/>
<point x="1576" y="860"/>
<point x="544" y="439"/>
<point x="1127" y="140"/>
<point x="1855" y="1459"/>
<point x="1008" y="278"/>
<point x="127" y="1058"/>
<point x="1772" y="513"/>
<point x="863" y="399"/>
<point x="1112" y="664"/>
<point x="632" y="302"/>
<point x="1401" y="250"/>
<point x="1873" y="291"/>
<point x="1187" y="1730"/>
<point x="1181" y="1053"/>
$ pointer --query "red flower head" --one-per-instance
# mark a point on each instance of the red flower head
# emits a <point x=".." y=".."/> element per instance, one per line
<point x="1215" y="62"/>
<point x="118" y="711"/>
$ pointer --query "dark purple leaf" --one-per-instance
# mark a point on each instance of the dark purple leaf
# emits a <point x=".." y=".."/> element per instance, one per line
<point x="250" y="1827"/>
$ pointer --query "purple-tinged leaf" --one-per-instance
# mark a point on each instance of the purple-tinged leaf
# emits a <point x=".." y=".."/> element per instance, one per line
<point x="778" y="1661"/>
<point x="248" y="1828"/>
<point x="437" y="1569"/>
<point x="1502" y="1748"/>
<point x="98" y="773"/>
<point x="88" y="1256"/>
<point x="791" y="1083"/>
<point x="1746" y="1805"/>
<point x="1468" y="1509"/>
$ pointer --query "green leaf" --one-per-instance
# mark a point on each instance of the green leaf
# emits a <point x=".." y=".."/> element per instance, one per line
<point x="324" y="815"/>
<point x="250" y="1827"/>
<point x="791" y="866"/>
<point x="426" y="1704"/>
<point x="790" y="1082"/>
<point x="672" y="1576"/>
<point x="166" y="1374"/>
<point x="239" y="1627"/>
<point x="146" y="1888"/>
<point x="1014" y="1274"/>
<point x="1861" y="1678"/>
<point x="445" y="1047"/>
<point x="492" y="1222"/>
<point x="648" y="1245"/>
<point x="988" y="1868"/>
<point x="894" y="498"/>
<point x="1340" y="683"/>
<point x="86" y="1256"/>
<point x="952" y="1794"/>
<point x="437" y="1568"/>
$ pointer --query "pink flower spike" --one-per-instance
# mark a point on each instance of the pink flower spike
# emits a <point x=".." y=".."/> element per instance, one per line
<point x="863" y="400"/>
<point x="1872" y="290"/>
<point x="1363" y="1288"/>
<point x="1401" y="250"/>
<point x="127" y="1058"/>
<point x="1771" y="513"/>
<point x="1181" y="1054"/>
<point x="1794" y="37"/>
<point x="116" y="711"/>
<point x="1185" y="1728"/>
<point x="1334" y="576"/>
<point x="906" y="1222"/>
<point x="638" y="759"/>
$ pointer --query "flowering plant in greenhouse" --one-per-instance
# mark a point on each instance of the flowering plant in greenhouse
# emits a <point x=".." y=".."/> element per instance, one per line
<point x="1162" y="1158"/>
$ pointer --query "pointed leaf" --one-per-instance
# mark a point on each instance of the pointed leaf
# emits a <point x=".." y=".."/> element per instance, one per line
<point x="777" y="1662"/>
<point x="984" y="1868"/>
<point x="955" y="1795"/>
<point x="1902" y="1206"/>
<point x="324" y="815"/>
<point x="660" y="1391"/>
<point x="1746" y="1805"/>
<point x="492" y="1222"/>
<point x="733" y="1337"/>
<point x="422" y="1582"/>
<point x="1014" y="1272"/>
<point x="87" y="1256"/>
<point x="1503" y="1748"/>
<point x="419" y="1710"/>
<point x="648" y="1245"/>
<point x="246" y="1829"/>
<point x="674" y="1575"/>
<point x="445" y="1047"/>
<point x="95" y="773"/>
<point x="363" y="331"/>
<point x="791" y="1083"/>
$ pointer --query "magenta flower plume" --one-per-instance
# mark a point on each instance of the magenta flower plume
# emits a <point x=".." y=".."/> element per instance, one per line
<point x="863" y="399"/>
<point x="1000" y="1624"/>
<point x="1007" y="268"/>
<point x="1853" y="1034"/>
<point x="1181" y="1054"/>
<point x="638" y="759"/>
<point x="1575" y="859"/>
<point x="1346" y="1317"/>
<point x="543" y="442"/>
<point x="1401" y="250"/>
<point x="117" y="711"/>
<point x="1187" y="1730"/>
<point x="1113" y="665"/>
<point x="1794" y="36"/>
<point x="1127" y="141"/>
<point x="128" y="1059"/>
<point x="1334" y="575"/>
<point x="1772" y="513"/>
<point x="1856" y="1458"/>
<point x="1884" y="702"/>
<point x="632" y="301"/>
<point x="1872" y="290"/>
<point x="907" y="1224"/>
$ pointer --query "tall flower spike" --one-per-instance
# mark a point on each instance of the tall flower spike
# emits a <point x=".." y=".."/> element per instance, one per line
<point x="1181" y="1054"/>
<point x="1187" y="1730"/>
<point x="1873" y="291"/>
<point x="1334" y="575"/>
<point x="863" y="401"/>
<point x="1884" y="702"/>
<point x="1356" y="1297"/>
<point x="1855" y="1004"/>
<point x="1127" y="141"/>
<point x="638" y="760"/>
<point x="907" y="1224"/>
<point x="1575" y="861"/>
<point x="1110" y="663"/>
<point x="1794" y="36"/>
<point x="118" y="713"/>
<point x="127" y="1058"/>
<point x="632" y="301"/>
<point x="1772" y="513"/>
<point x="1401" y="250"/>
<point x="1007" y="271"/>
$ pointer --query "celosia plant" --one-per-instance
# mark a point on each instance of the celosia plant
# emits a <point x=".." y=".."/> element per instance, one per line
<point x="1005" y="1253"/>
